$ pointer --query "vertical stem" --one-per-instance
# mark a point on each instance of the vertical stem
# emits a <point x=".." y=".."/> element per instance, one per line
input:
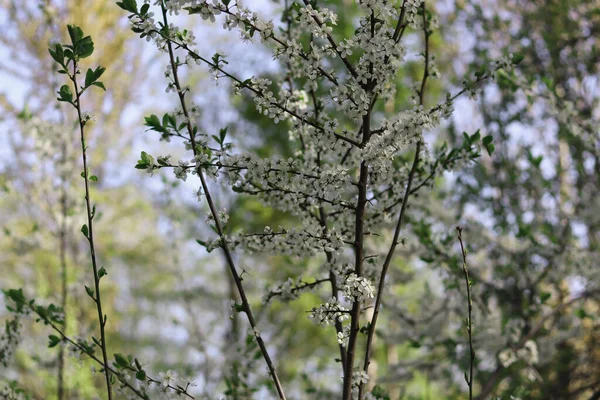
<point x="90" y="236"/>
<point x="407" y="192"/>
<point x="359" y="237"/>
<point x="470" y="311"/>
<point x="63" y="275"/>
<point x="334" y="291"/>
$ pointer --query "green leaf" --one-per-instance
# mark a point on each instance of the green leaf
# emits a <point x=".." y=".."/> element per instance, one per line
<point x="581" y="314"/>
<point x="100" y="85"/>
<point x="121" y="360"/>
<point x="128" y="5"/>
<point x="487" y="143"/>
<point x="545" y="296"/>
<point x="89" y="77"/>
<point x="53" y="340"/>
<point x="154" y="123"/>
<point x="467" y="137"/>
<point x="85" y="47"/>
<point x="57" y="54"/>
<point x="147" y="158"/>
<point x="92" y="76"/>
<point x="75" y="33"/>
<point x="140" y="375"/>
<point x="84" y="230"/>
<point x="102" y="272"/>
<point x="90" y="292"/>
<point x="145" y="161"/>
<point x="98" y="72"/>
<point x="16" y="295"/>
<point x="65" y="94"/>
<point x="94" y="178"/>
<point x="144" y="9"/>
<point x="517" y="58"/>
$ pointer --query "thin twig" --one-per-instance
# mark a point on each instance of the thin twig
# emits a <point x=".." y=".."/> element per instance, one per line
<point x="85" y="351"/>
<point x="215" y="215"/>
<point x="259" y="93"/>
<point x="469" y="320"/>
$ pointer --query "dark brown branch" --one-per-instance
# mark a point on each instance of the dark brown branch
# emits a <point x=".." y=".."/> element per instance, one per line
<point x="390" y="254"/>
<point x="219" y="228"/>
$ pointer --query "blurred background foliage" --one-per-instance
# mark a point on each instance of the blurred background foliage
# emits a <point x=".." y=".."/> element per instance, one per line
<point x="530" y="213"/>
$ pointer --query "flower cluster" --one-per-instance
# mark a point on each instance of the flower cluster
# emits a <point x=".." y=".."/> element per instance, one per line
<point x="358" y="288"/>
<point x="359" y="377"/>
<point x="309" y="240"/>
<point x="528" y="353"/>
<point x="329" y="312"/>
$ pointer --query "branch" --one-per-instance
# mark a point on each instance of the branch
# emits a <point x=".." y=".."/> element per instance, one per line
<point x="90" y="230"/>
<point x="252" y="89"/>
<point x="469" y="320"/>
<point x="217" y="222"/>
<point x="390" y="254"/>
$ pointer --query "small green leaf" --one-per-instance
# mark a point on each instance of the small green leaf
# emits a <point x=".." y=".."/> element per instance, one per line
<point x="53" y="341"/>
<point x="517" y="58"/>
<point x="128" y="5"/>
<point x="65" y="94"/>
<point x="84" y="230"/>
<point x="90" y="292"/>
<point x="140" y="375"/>
<point x="144" y="9"/>
<point x="147" y="158"/>
<point x="100" y="85"/>
<point x="145" y="161"/>
<point x="89" y="77"/>
<point x="85" y="47"/>
<point x="154" y="123"/>
<point x="581" y="314"/>
<point x="545" y="296"/>
<point x="75" y="33"/>
<point x="94" y="178"/>
<point x="57" y="54"/>
<point x="487" y="143"/>
<point x="98" y="72"/>
<point x="121" y="360"/>
<point x="467" y="138"/>
<point x="102" y="272"/>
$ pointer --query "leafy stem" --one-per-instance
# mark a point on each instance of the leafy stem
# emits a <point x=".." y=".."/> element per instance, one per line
<point x="81" y="47"/>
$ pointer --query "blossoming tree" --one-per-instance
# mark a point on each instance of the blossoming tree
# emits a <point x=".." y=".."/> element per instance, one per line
<point x="350" y="188"/>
